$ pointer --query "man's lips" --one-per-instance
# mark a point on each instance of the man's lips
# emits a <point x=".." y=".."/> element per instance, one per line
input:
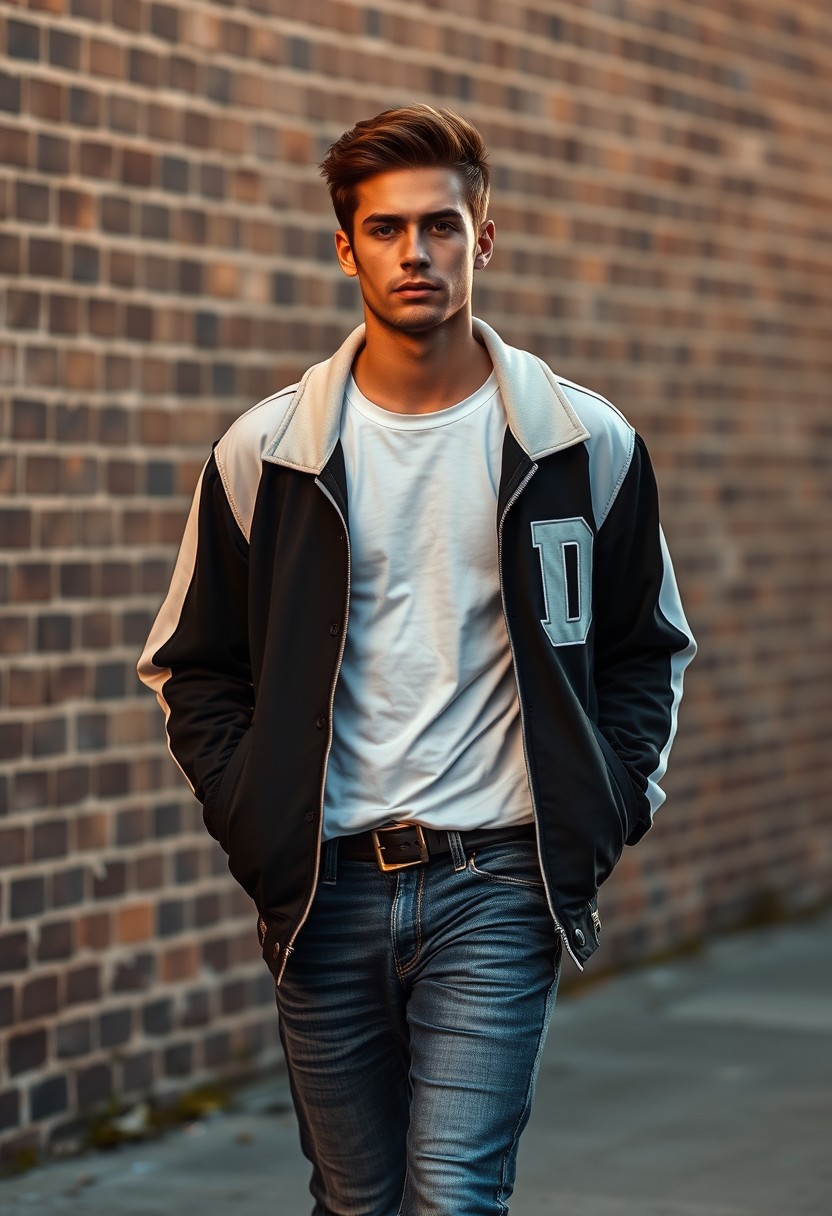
<point x="415" y="289"/>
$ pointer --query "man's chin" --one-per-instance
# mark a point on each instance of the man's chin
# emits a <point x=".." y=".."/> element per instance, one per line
<point x="414" y="318"/>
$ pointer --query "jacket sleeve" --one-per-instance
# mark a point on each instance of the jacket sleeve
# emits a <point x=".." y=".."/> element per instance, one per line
<point x="643" y="642"/>
<point x="197" y="657"/>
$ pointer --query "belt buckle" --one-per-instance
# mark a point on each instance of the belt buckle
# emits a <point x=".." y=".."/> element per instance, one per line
<point x="386" y="866"/>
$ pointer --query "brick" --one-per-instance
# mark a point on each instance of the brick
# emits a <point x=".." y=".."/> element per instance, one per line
<point x="96" y="630"/>
<point x="83" y="985"/>
<point x="94" y="931"/>
<point x="48" y="737"/>
<point x="39" y="998"/>
<point x="135" y="922"/>
<point x="64" y="316"/>
<point x="66" y="682"/>
<point x="22" y="40"/>
<point x="56" y="529"/>
<point x="12" y="846"/>
<point x="26" y="1051"/>
<point x="53" y="154"/>
<point x="84" y="107"/>
<point x="174" y="174"/>
<point x="94" y="1085"/>
<point x="234" y="997"/>
<point x="32" y="202"/>
<point x="164" y="22"/>
<point x="217" y="1050"/>
<point x="183" y="74"/>
<point x="179" y="1060"/>
<point x="127" y="15"/>
<point x="67" y="887"/>
<point x="150" y="872"/>
<point x="31" y="790"/>
<point x="91" y="732"/>
<point x="27" y="897"/>
<point x="9" y="1109"/>
<point x="12" y="740"/>
<point x="23" y="309"/>
<point x="116" y="214"/>
<point x="207" y="908"/>
<point x="48" y="1098"/>
<point x="15" y="528"/>
<point x="50" y="839"/>
<point x="138" y="1072"/>
<point x="115" y="1028"/>
<point x="170" y="917"/>
<point x="76" y="208"/>
<point x="54" y="632"/>
<point x="103" y="318"/>
<point x="138" y="168"/>
<point x="14" y="951"/>
<point x="10" y="254"/>
<point x="124" y="114"/>
<point x="130" y="827"/>
<point x="6" y="1005"/>
<point x="134" y="975"/>
<point x="64" y="49"/>
<point x="56" y="941"/>
<point x="197" y="1008"/>
<point x="110" y="680"/>
<point x="73" y="1039"/>
<point x="27" y="686"/>
<point x="157" y="1018"/>
<point x="31" y="581"/>
<point x="46" y="257"/>
<point x="97" y="159"/>
<point x="106" y="59"/>
<point x="42" y="475"/>
<point x="9" y="92"/>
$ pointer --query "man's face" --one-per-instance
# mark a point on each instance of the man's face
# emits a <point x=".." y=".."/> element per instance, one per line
<point x="414" y="247"/>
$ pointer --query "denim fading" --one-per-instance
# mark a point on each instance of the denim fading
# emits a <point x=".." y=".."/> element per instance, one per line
<point x="413" y="1013"/>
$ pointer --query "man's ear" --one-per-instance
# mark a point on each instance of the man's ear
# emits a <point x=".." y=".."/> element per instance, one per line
<point x="485" y="245"/>
<point x="346" y="259"/>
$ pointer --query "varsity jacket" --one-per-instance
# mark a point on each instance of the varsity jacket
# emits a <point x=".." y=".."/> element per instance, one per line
<point x="245" y="652"/>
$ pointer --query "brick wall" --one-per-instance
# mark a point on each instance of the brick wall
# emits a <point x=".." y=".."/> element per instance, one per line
<point x="662" y="203"/>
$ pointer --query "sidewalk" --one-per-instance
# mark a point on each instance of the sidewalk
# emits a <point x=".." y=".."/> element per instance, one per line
<point x="698" y="1089"/>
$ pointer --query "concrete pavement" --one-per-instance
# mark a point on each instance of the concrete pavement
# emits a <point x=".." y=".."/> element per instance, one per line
<point x="700" y="1088"/>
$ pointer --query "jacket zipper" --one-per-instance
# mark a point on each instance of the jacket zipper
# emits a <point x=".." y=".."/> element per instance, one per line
<point x="529" y="475"/>
<point x="290" y="945"/>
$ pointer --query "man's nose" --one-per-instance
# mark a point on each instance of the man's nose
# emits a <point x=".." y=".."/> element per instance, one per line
<point x="415" y="251"/>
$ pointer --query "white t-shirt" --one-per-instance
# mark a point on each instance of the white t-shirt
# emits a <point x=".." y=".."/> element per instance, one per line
<point x="426" y="717"/>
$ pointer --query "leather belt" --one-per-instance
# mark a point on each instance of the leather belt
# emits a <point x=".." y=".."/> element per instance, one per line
<point x="409" y="844"/>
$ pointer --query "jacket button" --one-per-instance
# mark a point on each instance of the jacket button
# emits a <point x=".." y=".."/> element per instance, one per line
<point x="335" y="629"/>
<point x="310" y="816"/>
<point x="320" y="721"/>
<point x="578" y="935"/>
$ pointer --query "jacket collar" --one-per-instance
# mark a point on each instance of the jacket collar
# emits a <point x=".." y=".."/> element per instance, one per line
<point x="538" y="412"/>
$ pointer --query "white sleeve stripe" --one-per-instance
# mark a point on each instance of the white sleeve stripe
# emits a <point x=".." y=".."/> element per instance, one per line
<point x="170" y="613"/>
<point x="670" y="607"/>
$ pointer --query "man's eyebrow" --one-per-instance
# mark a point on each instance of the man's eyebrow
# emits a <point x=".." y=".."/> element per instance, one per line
<point x="445" y="214"/>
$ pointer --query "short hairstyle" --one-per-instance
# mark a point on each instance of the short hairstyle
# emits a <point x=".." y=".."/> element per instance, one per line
<point x="406" y="137"/>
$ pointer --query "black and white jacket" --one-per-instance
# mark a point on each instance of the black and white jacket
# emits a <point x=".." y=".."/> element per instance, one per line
<point x="245" y="652"/>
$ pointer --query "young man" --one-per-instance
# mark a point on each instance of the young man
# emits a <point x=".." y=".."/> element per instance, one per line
<point x="421" y="662"/>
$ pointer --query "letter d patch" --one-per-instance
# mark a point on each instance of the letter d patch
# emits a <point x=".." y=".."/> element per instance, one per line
<point x="565" y="549"/>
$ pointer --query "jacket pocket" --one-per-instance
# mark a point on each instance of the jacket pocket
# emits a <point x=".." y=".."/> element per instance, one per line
<point x="225" y="793"/>
<point x="625" y="797"/>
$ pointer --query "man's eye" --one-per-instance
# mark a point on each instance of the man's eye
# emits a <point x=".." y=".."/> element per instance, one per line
<point x="383" y="230"/>
<point x="443" y="226"/>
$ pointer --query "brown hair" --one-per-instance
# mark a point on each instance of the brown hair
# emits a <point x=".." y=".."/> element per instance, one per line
<point x="406" y="137"/>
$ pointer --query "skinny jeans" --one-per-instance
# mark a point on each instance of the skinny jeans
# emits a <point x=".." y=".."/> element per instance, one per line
<point x="413" y="1013"/>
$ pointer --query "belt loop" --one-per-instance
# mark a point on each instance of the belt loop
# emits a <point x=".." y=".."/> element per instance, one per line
<point x="329" y="861"/>
<point x="457" y="851"/>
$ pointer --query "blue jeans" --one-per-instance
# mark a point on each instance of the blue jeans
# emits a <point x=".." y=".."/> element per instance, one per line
<point x="413" y="1013"/>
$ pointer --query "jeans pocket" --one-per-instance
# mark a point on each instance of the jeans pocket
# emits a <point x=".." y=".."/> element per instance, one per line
<point x="513" y="862"/>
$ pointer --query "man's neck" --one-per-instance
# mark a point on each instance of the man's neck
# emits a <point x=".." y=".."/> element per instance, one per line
<point x="420" y="373"/>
